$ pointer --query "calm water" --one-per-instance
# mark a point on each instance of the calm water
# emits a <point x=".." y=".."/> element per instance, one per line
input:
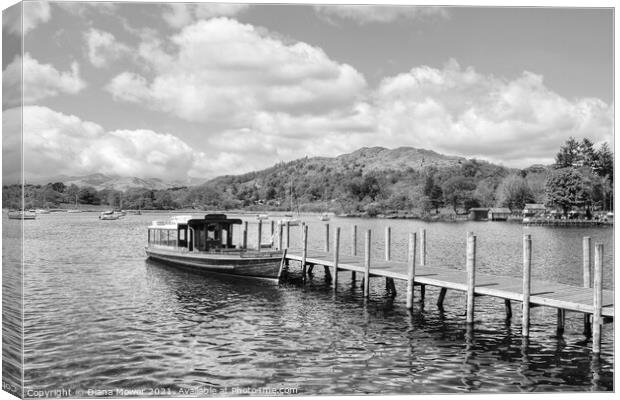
<point x="100" y="317"/>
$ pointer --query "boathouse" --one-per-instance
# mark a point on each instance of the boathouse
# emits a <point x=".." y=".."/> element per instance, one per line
<point x="478" y="214"/>
<point x="533" y="210"/>
<point x="499" y="213"/>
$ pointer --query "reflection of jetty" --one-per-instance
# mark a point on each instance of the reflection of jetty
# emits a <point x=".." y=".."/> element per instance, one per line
<point x="565" y="222"/>
<point x="596" y="304"/>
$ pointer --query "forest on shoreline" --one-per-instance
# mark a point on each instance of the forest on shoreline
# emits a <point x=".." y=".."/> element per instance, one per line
<point x="580" y="178"/>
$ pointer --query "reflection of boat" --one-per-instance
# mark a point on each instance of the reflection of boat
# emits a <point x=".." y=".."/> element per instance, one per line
<point x="109" y="215"/>
<point x="20" y="214"/>
<point x="206" y="245"/>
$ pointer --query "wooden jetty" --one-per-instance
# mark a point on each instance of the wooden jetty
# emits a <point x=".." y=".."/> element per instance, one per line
<point x="596" y="304"/>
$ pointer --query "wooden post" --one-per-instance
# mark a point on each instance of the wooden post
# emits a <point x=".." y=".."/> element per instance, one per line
<point x="423" y="247"/>
<point x="301" y="232"/>
<point x="336" y="255"/>
<point x="282" y="263"/>
<point x="471" y="275"/>
<point x="260" y="233"/>
<point x="327" y="238"/>
<point x="280" y="235"/>
<point x="598" y="298"/>
<point x="410" y="270"/>
<point x="288" y="234"/>
<point x="388" y="243"/>
<point x="367" y="265"/>
<point x="273" y="231"/>
<point x="561" y="319"/>
<point x="422" y="260"/>
<point x="527" y="286"/>
<point x="441" y="297"/>
<point x="508" y="308"/>
<point x="587" y="280"/>
<point x="244" y="243"/>
<point x="304" y="252"/>
<point x="353" y="248"/>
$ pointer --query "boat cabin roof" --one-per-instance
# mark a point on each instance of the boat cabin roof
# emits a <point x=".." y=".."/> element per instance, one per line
<point x="220" y="219"/>
<point x="175" y="222"/>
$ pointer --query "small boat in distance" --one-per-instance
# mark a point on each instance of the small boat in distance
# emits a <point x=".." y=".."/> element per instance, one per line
<point x="324" y="217"/>
<point x="205" y="244"/>
<point x="109" y="215"/>
<point x="262" y="216"/>
<point x="21" y="214"/>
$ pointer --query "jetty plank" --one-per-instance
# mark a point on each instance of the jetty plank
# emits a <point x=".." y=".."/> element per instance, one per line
<point x="543" y="293"/>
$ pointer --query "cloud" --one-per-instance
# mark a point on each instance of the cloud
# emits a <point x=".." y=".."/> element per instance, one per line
<point x="365" y="14"/>
<point x="460" y="111"/>
<point x="87" y="9"/>
<point x="179" y="15"/>
<point x="103" y="48"/>
<point x="228" y="72"/>
<point x="57" y="143"/>
<point x="40" y="81"/>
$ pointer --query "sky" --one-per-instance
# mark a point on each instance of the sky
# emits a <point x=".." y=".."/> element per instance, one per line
<point x="196" y="90"/>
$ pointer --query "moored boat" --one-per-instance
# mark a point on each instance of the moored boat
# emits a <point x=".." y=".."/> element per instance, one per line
<point x="20" y="214"/>
<point x="324" y="217"/>
<point x="206" y="244"/>
<point x="109" y="215"/>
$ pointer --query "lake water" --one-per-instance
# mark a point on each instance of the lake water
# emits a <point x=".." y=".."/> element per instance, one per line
<point x="99" y="318"/>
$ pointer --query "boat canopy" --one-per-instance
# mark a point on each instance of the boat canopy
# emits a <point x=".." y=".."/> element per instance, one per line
<point x="220" y="219"/>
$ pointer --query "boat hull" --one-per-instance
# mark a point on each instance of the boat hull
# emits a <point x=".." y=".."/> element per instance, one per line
<point x="265" y="267"/>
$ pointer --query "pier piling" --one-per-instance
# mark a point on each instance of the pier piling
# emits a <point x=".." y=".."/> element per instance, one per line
<point x="471" y="275"/>
<point x="508" y="308"/>
<point x="367" y="264"/>
<point x="280" y="236"/>
<point x="587" y="281"/>
<point x="288" y="234"/>
<point x="388" y="243"/>
<point x="336" y="257"/>
<point x="260" y="233"/>
<point x="327" y="238"/>
<point x="422" y="260"/>
<point x="353" y="248"/>
<point x="410" y="270"/>
<point x="561" y="322"/>
<point x="304" y="251"/>
<point x="598" y="298"/>
<point x="527" y="271"/>
<point x="244" y="242"/>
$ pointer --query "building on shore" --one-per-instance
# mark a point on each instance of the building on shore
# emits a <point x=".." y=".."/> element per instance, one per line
<point x="499" y="214"/>
<point x="534" y="210"/>
<point x="478" y="214"/>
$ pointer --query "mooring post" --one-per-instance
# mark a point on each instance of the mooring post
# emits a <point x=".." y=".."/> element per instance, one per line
<point x="587" y="281"/>
<point x="527" y="285"/>
<point x="597" y="319"/>
<point x="353" y="248"/>
<point x="388" y="243"/>
<point x="288" y="234"/>
<point x="471" y="275"/>
<point x="410" y="270"/>
<point x="327" y="238"/>
<point x="336" y="256"/>
<point x="367" y="265"/>
<point x="508" y="308"/>
<point x="273" y="231"/>
<point x="280" y="235"/>
<point x="244" y="243"/>
<point x="301" y="232"/>
<point x="304" y="251"/>
<point x="260" y="233"/>
<point x="422" y="260"/>
<point x="561" y="319"/>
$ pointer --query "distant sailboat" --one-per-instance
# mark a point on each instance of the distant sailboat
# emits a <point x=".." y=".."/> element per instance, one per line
<point x="288" y="217"/>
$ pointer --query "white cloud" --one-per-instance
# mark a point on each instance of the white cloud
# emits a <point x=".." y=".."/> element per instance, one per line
<point x="103" y="48"/>
<point x="366" y="14"/>
<point x="460" y="111"/>
<point x="228" y="71"/>
<point x="34" y="13"/>
<point x="39" y="80"/>
<point x="57" y="143"/>
<point x="179" y="15"/>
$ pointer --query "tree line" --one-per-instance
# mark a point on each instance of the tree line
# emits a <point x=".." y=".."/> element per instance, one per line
<point x="581" y="177"/>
